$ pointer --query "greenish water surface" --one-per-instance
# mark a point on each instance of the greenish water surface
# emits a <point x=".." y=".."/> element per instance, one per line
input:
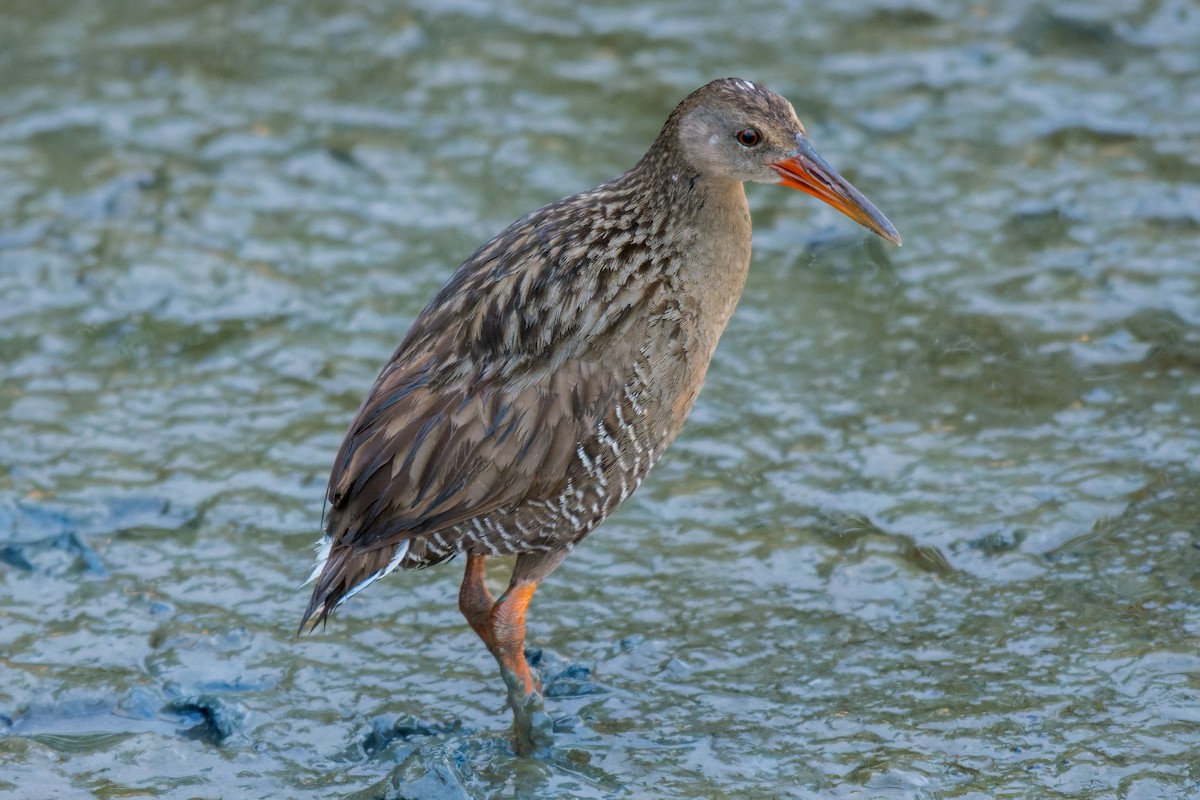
<point x="932" y="531"/>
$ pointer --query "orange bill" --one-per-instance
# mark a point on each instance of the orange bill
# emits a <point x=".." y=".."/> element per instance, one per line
<point x="803" y="169"/>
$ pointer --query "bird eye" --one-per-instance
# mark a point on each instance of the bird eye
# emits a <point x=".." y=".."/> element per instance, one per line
<point x="749" y="137"/>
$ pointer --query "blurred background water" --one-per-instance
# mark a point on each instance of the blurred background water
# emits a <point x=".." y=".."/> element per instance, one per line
<point x="931" y="532"/>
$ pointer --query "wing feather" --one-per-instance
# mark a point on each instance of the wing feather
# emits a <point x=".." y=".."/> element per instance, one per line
<point x="484" y="404"/>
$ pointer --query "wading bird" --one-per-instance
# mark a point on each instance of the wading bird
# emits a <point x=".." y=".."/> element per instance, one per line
<point x="542" y="383"/>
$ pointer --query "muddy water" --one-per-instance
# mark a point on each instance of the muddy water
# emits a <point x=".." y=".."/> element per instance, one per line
<point x="931" y="532"/>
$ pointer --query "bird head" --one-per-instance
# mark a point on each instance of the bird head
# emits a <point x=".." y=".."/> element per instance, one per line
<point x="733" y="128"/>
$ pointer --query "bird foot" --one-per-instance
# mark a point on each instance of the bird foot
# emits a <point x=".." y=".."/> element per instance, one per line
<point x="533" y="730"/>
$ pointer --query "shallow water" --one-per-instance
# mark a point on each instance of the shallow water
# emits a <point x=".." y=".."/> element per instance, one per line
<point x="932" y="531"/>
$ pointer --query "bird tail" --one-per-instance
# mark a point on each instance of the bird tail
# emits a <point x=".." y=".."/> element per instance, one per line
<point x="341" y="573"/>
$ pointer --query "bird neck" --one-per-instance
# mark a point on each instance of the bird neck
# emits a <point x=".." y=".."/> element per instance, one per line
<point x="705" y="221"/>
<point x="674" y="186"/>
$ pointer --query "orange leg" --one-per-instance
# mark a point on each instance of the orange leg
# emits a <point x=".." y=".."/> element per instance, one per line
<point x="508" y="634"/>
<point x="475" y="601"/>
<point x="532" y="727"/>
<point x="501" y="626"/>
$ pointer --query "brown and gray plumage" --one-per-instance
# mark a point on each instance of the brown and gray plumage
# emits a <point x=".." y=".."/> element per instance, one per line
<point x="541" y="384"/>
